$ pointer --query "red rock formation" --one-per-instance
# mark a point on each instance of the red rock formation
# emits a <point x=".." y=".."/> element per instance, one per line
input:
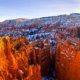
<point x="67" y="61"/>
<point x="43" y="56"/>
<point x="16" y="65"/>
<point x="20" y="61"/>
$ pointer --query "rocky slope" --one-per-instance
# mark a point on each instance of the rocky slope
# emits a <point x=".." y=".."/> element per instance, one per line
<point x="21" y="60"/>
<point x="39" y="26"/>
<point x="45" y="48"/>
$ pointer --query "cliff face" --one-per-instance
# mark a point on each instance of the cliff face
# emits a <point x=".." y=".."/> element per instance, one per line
<point x="16" y="65"/>
<point x="67" y="61"/>
<point x="43" y="58"/>
<point x="20" y="60"/>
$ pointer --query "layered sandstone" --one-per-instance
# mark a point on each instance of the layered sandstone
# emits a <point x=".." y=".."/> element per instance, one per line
<point x="14" y="62"/>
<point x="67" y="60"/>
<point x="21" y="60"/>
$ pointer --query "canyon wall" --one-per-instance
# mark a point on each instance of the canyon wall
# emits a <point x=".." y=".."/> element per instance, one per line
<point x="67" y="60"/>
<point x="20" y="60"/>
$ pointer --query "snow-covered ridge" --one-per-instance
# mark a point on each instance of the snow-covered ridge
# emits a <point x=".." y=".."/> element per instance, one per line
<point x="66" y="19"/>
<point x="39" y="27"/>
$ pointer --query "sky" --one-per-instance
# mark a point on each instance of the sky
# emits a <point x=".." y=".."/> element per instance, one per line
<point x="11" y="9"/>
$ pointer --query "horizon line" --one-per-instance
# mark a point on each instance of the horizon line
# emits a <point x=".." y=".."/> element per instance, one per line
<point x="37" y="17"/>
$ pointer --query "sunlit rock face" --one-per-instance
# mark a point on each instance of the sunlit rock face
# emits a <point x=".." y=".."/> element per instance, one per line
<point x="14" y="64"/>
<point x="21" y="60"/>
<point x="67" y="60"/>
